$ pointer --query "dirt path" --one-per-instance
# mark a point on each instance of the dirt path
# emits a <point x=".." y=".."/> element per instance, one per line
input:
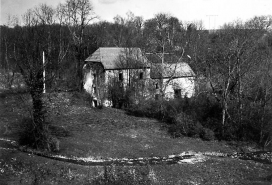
<point x="185" y="157"/>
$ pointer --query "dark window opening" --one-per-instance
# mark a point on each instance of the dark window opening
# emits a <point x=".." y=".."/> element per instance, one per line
<point x="141" y="75"/>
<point x="157" y="86"/>
<point x="94" y="78"/>
<point x="177" y="93"/>
<point x="121" y="77"/>
<point x="95" y="103"/>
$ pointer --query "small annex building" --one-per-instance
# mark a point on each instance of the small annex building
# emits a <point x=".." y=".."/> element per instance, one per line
<point x="114" y="67"/>
<point x="175" y="79"/>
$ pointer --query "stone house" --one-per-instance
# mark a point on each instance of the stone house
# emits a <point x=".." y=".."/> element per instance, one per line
<point x="128" y="68"/>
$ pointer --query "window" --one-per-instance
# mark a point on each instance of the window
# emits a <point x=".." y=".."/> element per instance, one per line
<point x="157" y="86"/>
<point x="177" y="93"/>
<point x="141" y="75"/>
<point x="121" y="77"/>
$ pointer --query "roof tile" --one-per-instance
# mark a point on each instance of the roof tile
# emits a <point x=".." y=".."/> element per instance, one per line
<point x="119" y="58"/>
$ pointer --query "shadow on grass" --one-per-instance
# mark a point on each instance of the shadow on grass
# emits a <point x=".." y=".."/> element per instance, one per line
<point x="60" y="131"/>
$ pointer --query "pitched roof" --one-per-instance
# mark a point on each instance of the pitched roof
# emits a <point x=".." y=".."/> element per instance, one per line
<point x="168" y="58"/>
<point x="119" y="58"/>
<point x="171" y="70"/>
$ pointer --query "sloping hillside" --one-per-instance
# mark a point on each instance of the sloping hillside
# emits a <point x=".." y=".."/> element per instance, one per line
<point x="110" y="134"/>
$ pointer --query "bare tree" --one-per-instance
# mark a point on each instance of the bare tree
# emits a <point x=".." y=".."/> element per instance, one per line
<point x="233" y="54"/>
<point x="45" y="14"/>
<point x="162" y="35"/>
<point x="28" y="44"/>
<point x="7" y="65"/>
<point x="77" y="14"/>
<point x="259" y="84"/>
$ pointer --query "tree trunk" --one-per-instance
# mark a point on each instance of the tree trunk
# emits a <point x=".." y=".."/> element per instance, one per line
<point x="40" y="129"/>
<point x="239" y="106"/>
<point x="224" y="110"/>
<point x="38" y="114"/>
<point x="79" y="76"/>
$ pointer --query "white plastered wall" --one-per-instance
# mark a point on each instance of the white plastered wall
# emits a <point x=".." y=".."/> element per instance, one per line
<point x="88" y="82"/>
<point x="186" y="85"/>
<point x="110" y="74"/>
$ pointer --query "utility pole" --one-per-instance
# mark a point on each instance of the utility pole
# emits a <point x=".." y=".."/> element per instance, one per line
<point x="214" y="19"/>
<point x="43" y="73"/>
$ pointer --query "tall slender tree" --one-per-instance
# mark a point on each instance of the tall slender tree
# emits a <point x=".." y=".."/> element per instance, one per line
<point x="162" y="35"/>
<point x="77" y="15"/>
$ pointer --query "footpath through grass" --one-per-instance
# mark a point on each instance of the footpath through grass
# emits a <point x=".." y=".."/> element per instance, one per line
<point x="110" y="133"/>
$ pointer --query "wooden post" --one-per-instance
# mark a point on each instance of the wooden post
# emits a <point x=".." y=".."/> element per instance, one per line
<point x="43" y="73"/>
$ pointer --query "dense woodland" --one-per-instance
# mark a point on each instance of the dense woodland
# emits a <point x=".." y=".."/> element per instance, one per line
<point x="233" y="65"/>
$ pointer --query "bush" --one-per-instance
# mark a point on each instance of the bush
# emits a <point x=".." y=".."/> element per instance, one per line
<point x="176" y="114"/>
<point x="207" y="134"/>
<point x="148" y="108"/>
<point x="203" y="108"/>
<point x="181" y="125"/>
<point x="122" y="176"/>
<point x="195" y="130"/>
<point x="184" y="117"/>
<point x="160" y="109"/>
<point x="213" y="124"/>
<point x="185" y="125"/>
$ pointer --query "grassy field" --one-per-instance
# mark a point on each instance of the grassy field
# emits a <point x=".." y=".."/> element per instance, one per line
<point x="110" y="133"/>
